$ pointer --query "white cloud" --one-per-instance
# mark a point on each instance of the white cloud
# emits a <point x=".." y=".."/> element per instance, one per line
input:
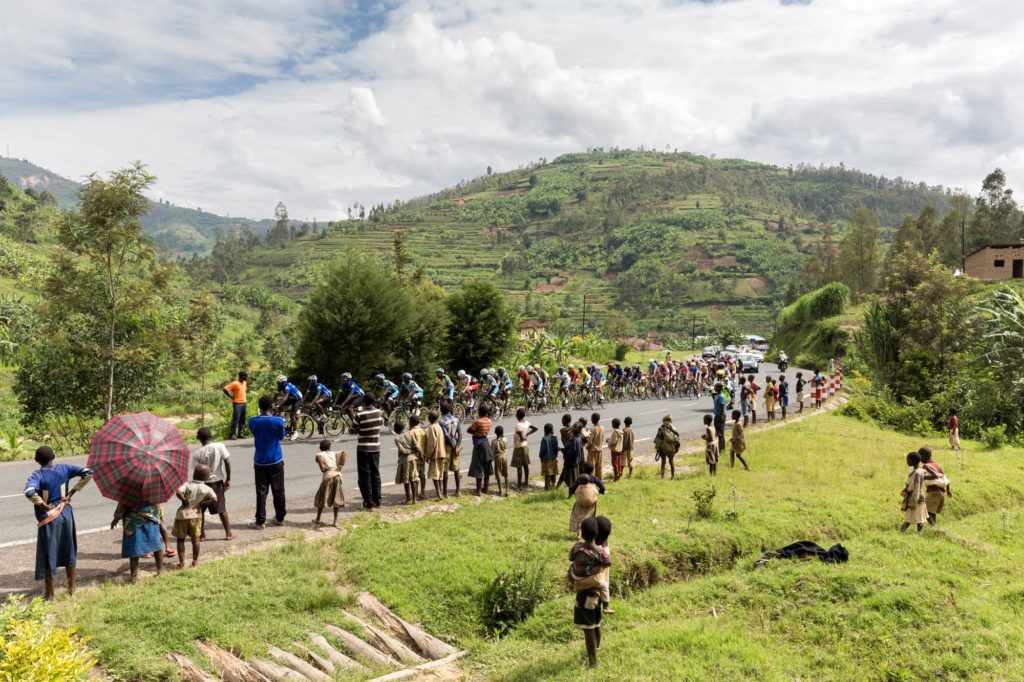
<point x="923" y="89"/>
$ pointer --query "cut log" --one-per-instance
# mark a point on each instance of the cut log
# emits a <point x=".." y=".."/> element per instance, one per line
<point x="189" y="671"/>
<point x="361" y="649"/>
<point x="297" y="664"/>
<point x="274" y="672"/>
<point x="322" y="663"/>
<point x="426" y="667"/>
<point x="232" y="668"/>
<point x="427" y="644"/>
<point x="336" y="657"/>
<point x="387" y="643"/>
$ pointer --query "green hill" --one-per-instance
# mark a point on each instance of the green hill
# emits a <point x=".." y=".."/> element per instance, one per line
<point x="184" y="230"/>
<point x="673" y="240"/>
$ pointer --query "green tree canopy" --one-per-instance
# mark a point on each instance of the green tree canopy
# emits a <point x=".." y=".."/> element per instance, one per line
<point x="481" y="326"/>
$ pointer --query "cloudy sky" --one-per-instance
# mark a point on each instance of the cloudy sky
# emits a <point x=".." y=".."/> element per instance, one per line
<point x="236" y="105"/>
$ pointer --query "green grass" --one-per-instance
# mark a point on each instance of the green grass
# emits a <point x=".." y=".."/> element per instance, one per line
<point x="690" y="604"/>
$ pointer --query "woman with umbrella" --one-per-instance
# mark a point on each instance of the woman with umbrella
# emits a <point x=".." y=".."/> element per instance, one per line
<point x="57" y="544"/>
<point x="140" y="461"/>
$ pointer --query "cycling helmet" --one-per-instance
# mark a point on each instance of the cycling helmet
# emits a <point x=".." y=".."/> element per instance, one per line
<point x="380" y="379"/>
<point x="311" y="378"/>
<point x="661" y="364"/>
<point x="281" y="379"/>
<point x="484" y="372"/>
<point x="346" y="377"/>
<point x="522" y="367"/>
<point x="561" y="369"/>
<point x="529" y="368"/>
<point x="406" y="377"/>
<point x="462" y="373"/>
<point x="439" y="372"/>
<point x="501" y="370"/>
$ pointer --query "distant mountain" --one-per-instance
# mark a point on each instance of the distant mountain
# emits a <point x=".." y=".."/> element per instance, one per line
<point x="185" y="230"/>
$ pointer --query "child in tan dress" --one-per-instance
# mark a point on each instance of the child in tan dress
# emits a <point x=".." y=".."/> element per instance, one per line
<point x="586" y="502"/>
<point x="914" y="504"/>
<point x="330" y="492"/>
<point x="738" y="442"/>
<point x="499" y="446"/>
<point x="711" y="445"/>
<point x="409" y="452"/>
<point x="627" y="445"/>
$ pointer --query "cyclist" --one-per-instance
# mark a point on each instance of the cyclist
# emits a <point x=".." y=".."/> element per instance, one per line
<point x="350" y="396"/>
<point x="316" y="394"/>
<point x="387" y="392"/>
<point x="524" y="378"/>
<point x="564" y="382"/>
<point x="444" y="388"/>
<point x="467" y="387"/>
<point x="504" y="383"/>
<point x="488" y="386"/>
<point x="413" y="392"/>
<point x="599" y="381"/>
<point x="574" y="376"/>
<point x="536" y="381"/>
<point x="290" y="397"/>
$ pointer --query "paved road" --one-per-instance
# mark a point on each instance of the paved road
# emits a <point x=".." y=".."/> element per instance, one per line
<point x="99" y="546"/>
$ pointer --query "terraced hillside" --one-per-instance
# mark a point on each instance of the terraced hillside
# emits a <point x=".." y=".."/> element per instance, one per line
<point x="673" y="240"/>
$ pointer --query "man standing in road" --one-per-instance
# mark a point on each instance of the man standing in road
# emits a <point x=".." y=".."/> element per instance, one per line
<point x="268" y="461"/>
<point x="367" y="423"/>
<point x="236" y="392"/>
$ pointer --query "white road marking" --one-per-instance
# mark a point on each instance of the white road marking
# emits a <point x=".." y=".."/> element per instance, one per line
<point x="16" y="543"/>
<point x="4" y="497"/>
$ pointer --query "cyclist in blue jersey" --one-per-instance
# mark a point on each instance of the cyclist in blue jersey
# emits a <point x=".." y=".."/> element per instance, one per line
<point x="316" y="394"/>
<point x="387" y="393"/>
<point x="443" y="386"/>
<point x="350" y="396"/>
<point x="290" y="398"/>
<point x="412" y="390"/>
<point x="504" y="381"/>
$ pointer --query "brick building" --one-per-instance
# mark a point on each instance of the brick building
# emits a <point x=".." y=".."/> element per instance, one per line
<point x="990" y="263"/>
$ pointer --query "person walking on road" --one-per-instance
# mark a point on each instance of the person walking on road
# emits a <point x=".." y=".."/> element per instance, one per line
<point x="218" y="459"/>
<point x="367" y="423"/>
<point x="268" y="461"/>
<point x="236" y="391"/>
<point x="57" y="542"/>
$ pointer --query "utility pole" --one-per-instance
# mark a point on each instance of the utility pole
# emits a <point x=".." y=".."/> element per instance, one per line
<point x="693" y="331"/>
<point x="584" y="329"/>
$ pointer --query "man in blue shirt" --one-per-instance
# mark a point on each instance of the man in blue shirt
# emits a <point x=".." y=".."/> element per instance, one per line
<point x="720" y="403"/>
<point x="57" y="543"/>
<point x="268" y="462"/>
<point x="349" y="393"/>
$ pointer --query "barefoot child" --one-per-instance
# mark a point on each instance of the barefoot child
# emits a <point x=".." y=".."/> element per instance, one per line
<point x="586" y="493"/>
<point x="406" y="475"/>
<point x="600" y="580"/>
<point x="627" y="445"/>
<point x="549" y="457"/>
<point x="711" y="445"/>
<point x="141" y="536"/>
<point x="954" y="430"/>
<point x="738" y="442"/>
<point x="615" y="447"/>
<point x="521" y="449"/>
<point x="914" y="505"/>
<point x="217" y="457"/>
<point x="188" y="521"/>
<point x="587" y="559"/>
<point x="331" y="492"/>
<point x="800" y="391"/>
<point x="500" y="446"/>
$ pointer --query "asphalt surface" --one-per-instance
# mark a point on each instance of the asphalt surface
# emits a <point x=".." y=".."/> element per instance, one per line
<point x="99" y="546"/>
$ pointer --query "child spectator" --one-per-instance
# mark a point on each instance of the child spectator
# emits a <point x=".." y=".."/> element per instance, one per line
<point x="406" y="475"/>
<point x="586" y="493"/>
<point x="666" y="445"/>
<point x="615" y="447"/>
<point x="914" y="505"/>
<point x="595" y="445"/>
<point x="331" y="492"/>
<point x="188" y="521"/>
<point x="711" y="446"/>
<point x="481" y="464"/>
<point x="770" y="395"/>
<point x="800" y="391"/>
<point x="738" y="442"/>
<point x="572" y="454"/>
<point x="218" y="459"/>
<point x="521" y="449"/>
<point x="587" y="559"/>
<point x="954" y="430"/>
<point x="549" y="457"/>
<point x="754" y="388"/>
<point x="744" y="400"/>
<point x="140" y="536"/>
<point x="937" y="486"/>
<point x="499" y="446"/>
<point x="600" y="580"/>
<point x="783" y="394"/>
<point x="627" y="445"/>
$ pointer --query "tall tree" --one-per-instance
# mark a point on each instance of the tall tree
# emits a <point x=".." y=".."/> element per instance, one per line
<point x="481" y="326"/>
<point x="859" y="257"/>
<point x="996" y="218"/>
<point x="400" y="253"/>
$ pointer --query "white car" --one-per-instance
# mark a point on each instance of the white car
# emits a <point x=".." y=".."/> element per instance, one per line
<point x="757" y="355"/>
<point x="749" y="363"/>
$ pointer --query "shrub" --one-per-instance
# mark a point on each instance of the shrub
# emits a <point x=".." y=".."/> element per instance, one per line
<point x="621" y="349"/>
<point x="703" y="500"/>
<point x="994" y="437"/>
<point x="512" y="596"/>
<point x="33" y="651"/>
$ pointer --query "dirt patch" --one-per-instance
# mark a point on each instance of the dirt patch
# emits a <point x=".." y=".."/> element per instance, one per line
<point x="756" y="283"/>
<point x="726" y="262"/>
<point x="543" y="288"/>
<point x="510" y="192"/>
<point x="703" y="258"/>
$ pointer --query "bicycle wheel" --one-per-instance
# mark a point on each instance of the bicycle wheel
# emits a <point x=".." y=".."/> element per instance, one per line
<point x="307" y="427"/>
<point x="334" y="425"/>
<point x="397" y="415"/>
<point x="459" y="410"/>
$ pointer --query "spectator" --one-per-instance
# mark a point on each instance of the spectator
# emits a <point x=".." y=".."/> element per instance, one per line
<point x="268" y="461"/>
<point x="367" y="423"/>
<point x="236" y="391"/>
<point x="217" y="458"/>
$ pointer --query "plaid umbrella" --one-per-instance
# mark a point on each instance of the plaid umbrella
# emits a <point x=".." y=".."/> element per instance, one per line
<point x="138" y="459"/>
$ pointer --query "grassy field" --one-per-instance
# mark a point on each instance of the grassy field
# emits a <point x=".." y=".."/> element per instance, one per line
<point x="943" y="603"/>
